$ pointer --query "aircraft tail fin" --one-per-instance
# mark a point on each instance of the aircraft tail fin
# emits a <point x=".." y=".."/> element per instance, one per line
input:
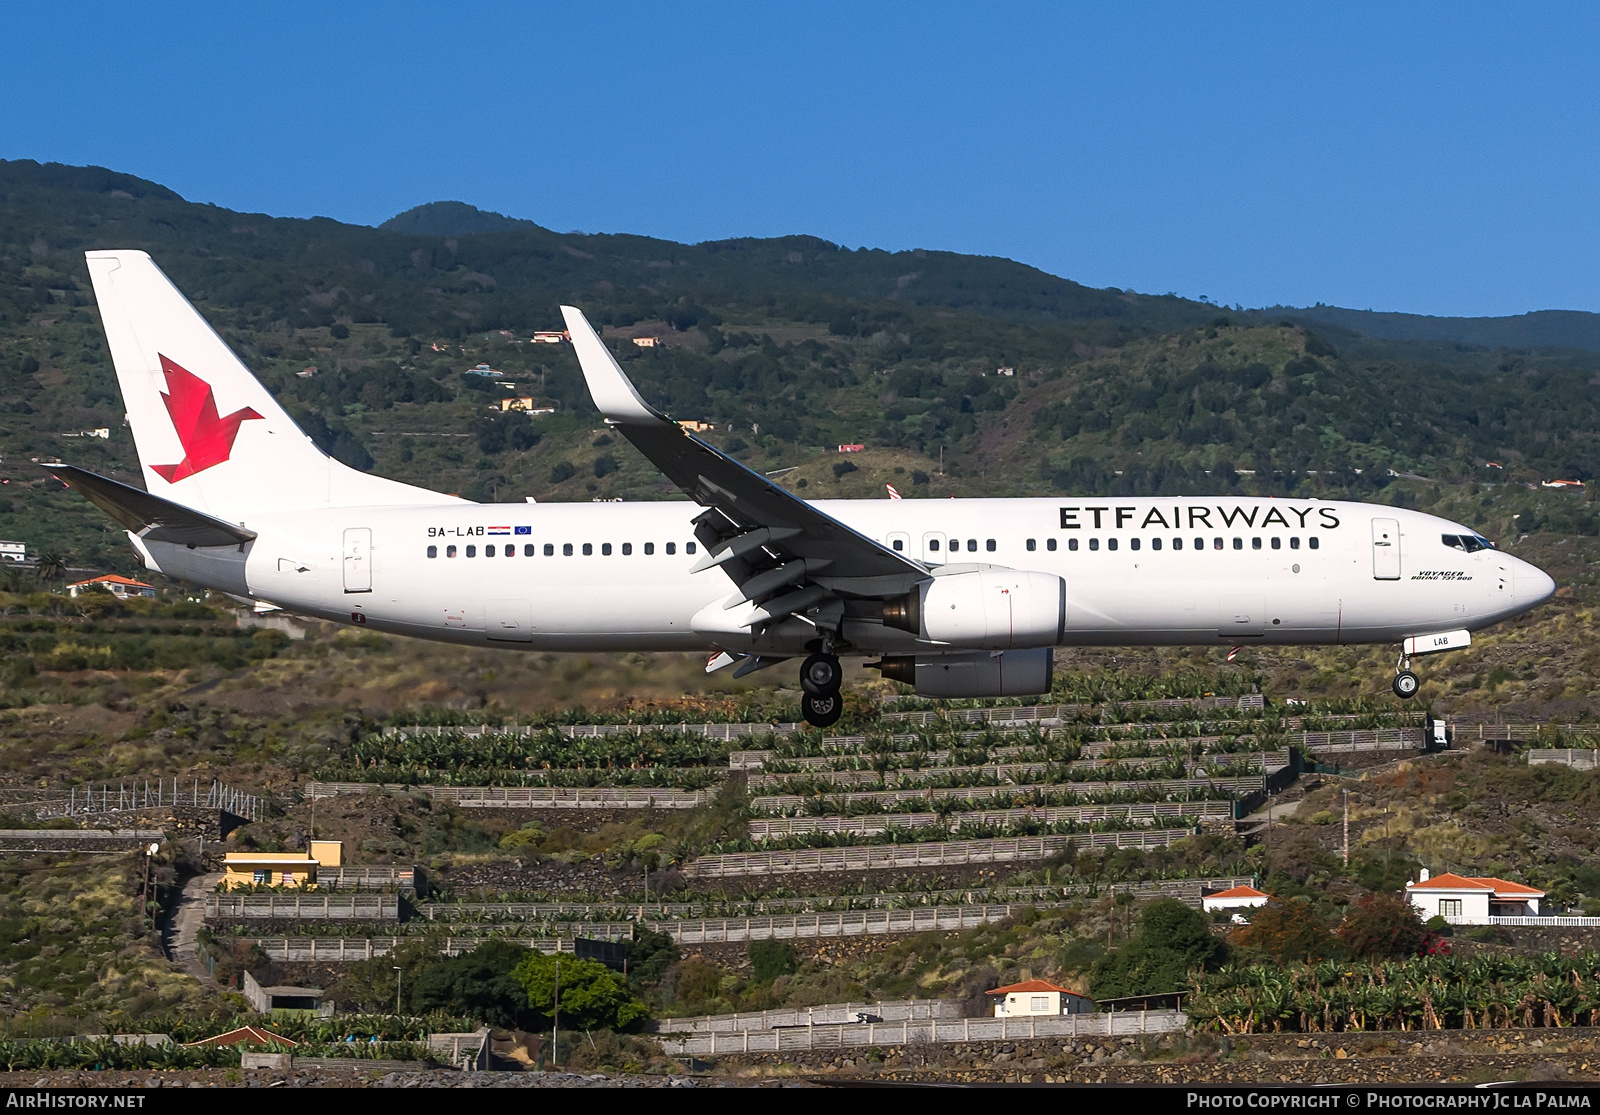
<point x="208" y="434"/>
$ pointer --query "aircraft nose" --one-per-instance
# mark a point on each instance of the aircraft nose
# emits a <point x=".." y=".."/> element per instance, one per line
<point x="1531" y="585"/>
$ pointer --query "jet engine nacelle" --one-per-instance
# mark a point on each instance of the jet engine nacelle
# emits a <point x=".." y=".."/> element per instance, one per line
<point x="995" y="609"/>
<point x="1011" y="673"/>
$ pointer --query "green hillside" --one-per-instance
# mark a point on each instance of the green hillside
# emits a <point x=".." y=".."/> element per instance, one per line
<point x="790" y="346"/>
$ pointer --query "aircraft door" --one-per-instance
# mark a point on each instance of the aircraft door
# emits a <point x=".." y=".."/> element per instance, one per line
<point x="1386" y="549"/>
<point x="358" y="559"/>
<point x="899" y="542"/>
<point x="933" y="548"/>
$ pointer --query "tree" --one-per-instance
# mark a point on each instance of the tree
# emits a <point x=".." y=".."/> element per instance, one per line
<point x="1172" y="940"/>
<point x="1384" y="925"/>
<point x="771" y="959"/>
<point x="480" y="983"/>
<point x="593" y="997"/>
<point x="52" y="566"/>
<point x="1287" y="931"/>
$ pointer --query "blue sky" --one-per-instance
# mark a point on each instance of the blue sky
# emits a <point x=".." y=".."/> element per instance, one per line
<point x="1428" y="158"/>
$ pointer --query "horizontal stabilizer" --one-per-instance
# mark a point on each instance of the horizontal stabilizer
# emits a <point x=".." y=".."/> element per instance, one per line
<point x="151" y="517"/>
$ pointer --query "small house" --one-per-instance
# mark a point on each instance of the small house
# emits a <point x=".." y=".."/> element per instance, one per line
<point x="697" y="427"/>
<point x="16" y="552"/>
<point x="1234" y="898"/>
<point x="1474" y="899"/>
<point x="120" y="587"/>
<point x="851" y="448"/>
<point x="295" y="870"/>
<point x="244" y="1035"/>
<point x="647" y="342"/>
<point x="1035" y="997"/>
<point x="549" y="337"/>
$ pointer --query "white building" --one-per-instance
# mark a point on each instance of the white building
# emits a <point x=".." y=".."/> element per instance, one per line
<point x="118" y="586"/>
<point x="1235" y="898"/>
<point x="1036" y="997"/>
<point x="14" y="551"/>
<point x="1471" y="900"/>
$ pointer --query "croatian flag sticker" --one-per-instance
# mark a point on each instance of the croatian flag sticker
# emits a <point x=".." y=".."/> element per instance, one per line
<point x="499" y="530"/>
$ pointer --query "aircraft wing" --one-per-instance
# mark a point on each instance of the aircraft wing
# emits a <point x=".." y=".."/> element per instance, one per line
<point x="149" y="516"/>
<point x="783" y="552"/>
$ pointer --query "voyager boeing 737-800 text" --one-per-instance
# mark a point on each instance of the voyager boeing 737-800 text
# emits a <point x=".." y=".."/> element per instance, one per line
<point x="959" y="598"/>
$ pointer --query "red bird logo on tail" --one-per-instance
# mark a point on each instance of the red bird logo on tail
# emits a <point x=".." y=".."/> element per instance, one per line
<point x="207" y="439"/>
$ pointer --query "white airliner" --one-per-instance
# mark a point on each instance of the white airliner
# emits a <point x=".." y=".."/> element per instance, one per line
<point x="959" y="597"/>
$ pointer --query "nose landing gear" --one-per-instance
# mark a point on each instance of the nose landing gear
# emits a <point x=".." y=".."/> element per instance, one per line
<point x="820" y="676"/>
<point x="1406" y="683"/>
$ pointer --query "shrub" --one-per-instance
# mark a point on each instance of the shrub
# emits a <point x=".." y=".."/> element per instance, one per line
<point x="1172" y="940"/>
<point x="771" y="959"/>
<point x="1287" y="931"/>
<point x="592" y="996"/>
<point x="1383" y="925"/>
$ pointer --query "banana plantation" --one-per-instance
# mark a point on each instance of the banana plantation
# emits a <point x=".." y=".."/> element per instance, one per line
<point x="1483" y="992"/>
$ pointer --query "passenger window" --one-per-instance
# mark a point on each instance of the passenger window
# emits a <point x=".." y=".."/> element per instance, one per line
<point x="588" y="549"/>
<point x="449" y="551"/>
<point x="488" y="551"/>
<point x="1050" y="544"/>
<point x="1177" y="543"/>
<point x="672" y="547"/>
<point x="1094" y="543"/>
<point x="472" y="551"/>
<point x="605" y="549"/>
<point x="1294" y="543"/>
<point x="649" y="548"/>
<point x="899" y="544"/>
<point x="688" y="547"/>
<point x="1032" y="545"/>
<point x="1255" y="543"/>
<point x="527" y="551"/>
<point x="1277" y="543"/>
<point x="1312" y="542"/>
<point x="933" y="544"/>
<point x="511" y="550"/>
<point x="433" y="551"/>
<point x="1111" y="543"/>
<point x="627" y="548"/>
<point x="989" y="545"/>
<point x="566" y="549"/>
<point x="1216" y="543"/>
<point x="972" y="545"/>
<point x="1238" y="543"/>
<point x="1133" y="543"/>
<point x="1200" y="543"/>
<point x="1072" y="543"/>
<point x="550" y="549"/>
<point x="1155" y="543"/>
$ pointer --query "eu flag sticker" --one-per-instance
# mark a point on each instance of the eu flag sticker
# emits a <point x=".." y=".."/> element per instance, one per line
<point x="524" y="530"/>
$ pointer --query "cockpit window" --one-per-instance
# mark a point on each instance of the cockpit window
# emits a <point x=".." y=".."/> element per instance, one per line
<point x="1471" y="543"/>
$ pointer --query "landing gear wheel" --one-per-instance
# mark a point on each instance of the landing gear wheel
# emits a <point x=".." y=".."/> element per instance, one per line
<point x="822" y="711"/>
<point x="820" y="675"/>
<point x="1406" y="685"/>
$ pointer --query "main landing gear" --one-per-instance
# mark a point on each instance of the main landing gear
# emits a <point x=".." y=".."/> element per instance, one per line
<point x="820" y="676"/>
<point x="1406" y="683"/>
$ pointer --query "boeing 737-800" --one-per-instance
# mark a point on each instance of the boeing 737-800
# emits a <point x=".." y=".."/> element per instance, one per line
<point x="957" y="597"/>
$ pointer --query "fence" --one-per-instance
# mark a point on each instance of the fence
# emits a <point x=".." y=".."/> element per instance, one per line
<point x="932" y="1030"/>
<point x="93" y="841"/>
<point x="1066" y="712"/>
<point x="1556" y="922"/>
<point x="931" y="854"/>
<point x="372" y="878"/>
<point x="1185" y="889"/>
<point x="1363" y="739"/>
<point x="1013" y="772"/>
<point x="829" y="1014"/>
<point x="588" y="731"/>
<point x="335" y="950"/>
<point x="463" y="1051"/>
<point x="782" y="803"/>
<point x="304" y="907"/>
<point x="873" y="823"/>
<point x="1576" y="758"/>
<point x="86" y="800"/>
<point x="524" y="797"/>
<point x="852" y="923"/>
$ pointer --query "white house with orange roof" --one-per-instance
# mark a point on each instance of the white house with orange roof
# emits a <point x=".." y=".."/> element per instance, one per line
<point x="1036" y="997"/>
<point x="1235" y="898"/>
<point x="1472" y="900"/>
<point x="118" y="586"/>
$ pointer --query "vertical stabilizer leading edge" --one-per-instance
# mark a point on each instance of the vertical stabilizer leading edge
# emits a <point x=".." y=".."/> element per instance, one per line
<point x="208" y="434"/>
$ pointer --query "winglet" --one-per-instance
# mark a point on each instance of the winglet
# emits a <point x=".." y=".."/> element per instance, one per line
<point x="610" y="388"/>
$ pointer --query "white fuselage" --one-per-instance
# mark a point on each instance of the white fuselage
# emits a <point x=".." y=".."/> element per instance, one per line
<point x="616" y="576"/>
